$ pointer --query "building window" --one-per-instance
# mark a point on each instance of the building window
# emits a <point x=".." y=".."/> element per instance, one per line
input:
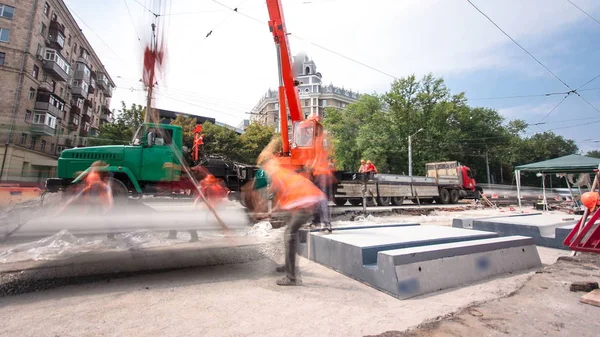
<point x="54" y="17"/>
<point x="28" y="116"/>
<point x="2" y="58"/>
<point x="60" y="90"/>
<point x="33" y="142"/>
<point x="4" y="35"/>
<point x="306" y="102"/>
<point x="43" y="146"/>
<point x="51" y="147"/>
<point x="53" y="84"/>
<point x="39" y="50"/>
<point x="324" y="103"/>
<point x="43" y="31"/>
<point x="31" y="94"/>
<point x="6" y="11"/>
<point x="36" y="71"/>
<point x="46" y="9"/>
<point x="23" y="139"/>
<point x="69" y="42"/>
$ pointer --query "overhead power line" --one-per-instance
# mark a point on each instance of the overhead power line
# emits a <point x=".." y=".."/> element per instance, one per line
<point x="519" y="45"/>
<point x="132" y="22"/>
<point x="311" y="43"/>
<point x="98" y="36"/>
<point x="554" y="108"/>
<point x="588" y="82"/>
<point x="584" y="12"/>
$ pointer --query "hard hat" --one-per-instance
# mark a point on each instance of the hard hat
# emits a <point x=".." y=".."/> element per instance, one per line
<point x="589" y="200"/>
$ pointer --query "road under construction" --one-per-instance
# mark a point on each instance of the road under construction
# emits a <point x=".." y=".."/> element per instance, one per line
<point x="206" y="267"/>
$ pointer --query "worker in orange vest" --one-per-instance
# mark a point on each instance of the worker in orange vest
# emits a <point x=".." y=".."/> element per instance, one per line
<point x="295" y="195"/>
<point x="322" y="176"/>
<point x="370" y="167"/>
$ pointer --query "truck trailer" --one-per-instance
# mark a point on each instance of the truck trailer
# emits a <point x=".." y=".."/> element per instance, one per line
<point x="445" y="183"/>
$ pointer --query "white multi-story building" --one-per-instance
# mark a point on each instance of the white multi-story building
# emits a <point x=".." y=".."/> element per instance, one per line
<point x="314" y="96"/>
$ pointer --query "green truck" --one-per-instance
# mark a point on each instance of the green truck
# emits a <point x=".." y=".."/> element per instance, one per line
<point x="149" y="165"/>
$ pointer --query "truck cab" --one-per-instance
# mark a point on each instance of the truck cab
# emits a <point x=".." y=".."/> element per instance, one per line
<point x="153" y="156"/>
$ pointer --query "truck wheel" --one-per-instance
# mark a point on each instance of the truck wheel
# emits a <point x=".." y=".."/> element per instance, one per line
<point x="444" y="197"/>
<point x="355" y="202"/>
<point x="340" y="201"/>
<point x="383" y="201"/>
<point x="454" y="196"/>
<point x="371" y="202"/>
<point x="119" y="190"/>
<point x="397" y="201"/>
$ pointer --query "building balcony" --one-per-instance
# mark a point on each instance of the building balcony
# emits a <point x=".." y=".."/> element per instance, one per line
<point x="102" y="81"/>
<point x="50" y="103"/>
<point x="78" y="91"/>
<point x="56" y="65"/>
<point x="92" y="87"/>
<point x="45" y="87"/>
<point x="42" y="130"/>
<point x="54" y="69"/>
<point x="56" y="35"/>
<point x="106" y="117"/>
<point x="108" y="91"/>
<point x="75" y="110"/>
<point x="83" y="133"/>
<point x="73" y="126"/>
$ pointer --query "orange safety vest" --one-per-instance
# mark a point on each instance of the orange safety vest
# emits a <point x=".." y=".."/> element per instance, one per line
<point x="292" y="190"/>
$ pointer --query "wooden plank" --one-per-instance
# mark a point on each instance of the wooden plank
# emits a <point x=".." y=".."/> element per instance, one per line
<point x="592" y="298"/>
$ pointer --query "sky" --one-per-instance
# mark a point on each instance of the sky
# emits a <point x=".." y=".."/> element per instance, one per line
<point x="225" y="74"/>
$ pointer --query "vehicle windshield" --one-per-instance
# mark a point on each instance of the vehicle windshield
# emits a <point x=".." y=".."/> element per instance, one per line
<point x="137" y="137"/>
<point x="303" y="133"/>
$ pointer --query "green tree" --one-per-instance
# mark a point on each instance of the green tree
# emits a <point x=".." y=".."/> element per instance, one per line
<point x="188" y="124"/>
<point x="253" y="141"/>
<point x="593" y="154"/>
<point x="221" y="141"/>
<point x="122" y="129"/>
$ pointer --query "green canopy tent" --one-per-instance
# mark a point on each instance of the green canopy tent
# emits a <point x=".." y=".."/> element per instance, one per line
<point x="572" y="163"/>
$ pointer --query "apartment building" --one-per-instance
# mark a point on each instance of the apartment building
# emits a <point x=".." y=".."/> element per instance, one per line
<point x="54" y="90"/>
<point x="314" y="96"/>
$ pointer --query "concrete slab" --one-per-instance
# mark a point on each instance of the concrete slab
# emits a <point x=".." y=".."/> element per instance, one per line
<point x="467" y="222"/>
<point x="442" y="257"/>
<point x="541" y="227"/>
<point x="367" y="242"/>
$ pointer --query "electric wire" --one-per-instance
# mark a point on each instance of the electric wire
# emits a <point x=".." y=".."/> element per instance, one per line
<point x="519" y="45"/>
<point x="98" y="36"/>
<point x="133" y="23"/>
<point x="584" y="12"/>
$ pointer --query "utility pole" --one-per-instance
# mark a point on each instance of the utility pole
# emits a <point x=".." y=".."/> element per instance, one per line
<point x="487" y="167"/>
<point x="410" y="152"/>
<point x="149" y="114"/>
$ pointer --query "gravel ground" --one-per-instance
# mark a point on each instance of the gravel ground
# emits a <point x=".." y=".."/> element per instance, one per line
<point x="544" y="306"/>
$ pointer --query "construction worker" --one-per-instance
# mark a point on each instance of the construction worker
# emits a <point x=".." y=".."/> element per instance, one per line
<point x="96" y="189"/>
<point x="294" y="195"/>
<point x="323" y="178"/>
<point x="363" y="166"/>
<point x="370" y="167"/>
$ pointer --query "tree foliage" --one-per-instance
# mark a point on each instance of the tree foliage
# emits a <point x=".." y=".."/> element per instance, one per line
<point x="254" y="140"/>
<point x="377" y="128"/>
<point x="122" y="129"/>
<point x="593" y="154"/>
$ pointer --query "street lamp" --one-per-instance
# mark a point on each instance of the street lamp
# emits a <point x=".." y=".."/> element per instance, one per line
<point x="410" y="151"/>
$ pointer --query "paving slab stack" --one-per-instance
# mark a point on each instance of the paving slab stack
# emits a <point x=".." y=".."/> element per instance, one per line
<point x="407" y="260"/>
<point x="548" y="230"/>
